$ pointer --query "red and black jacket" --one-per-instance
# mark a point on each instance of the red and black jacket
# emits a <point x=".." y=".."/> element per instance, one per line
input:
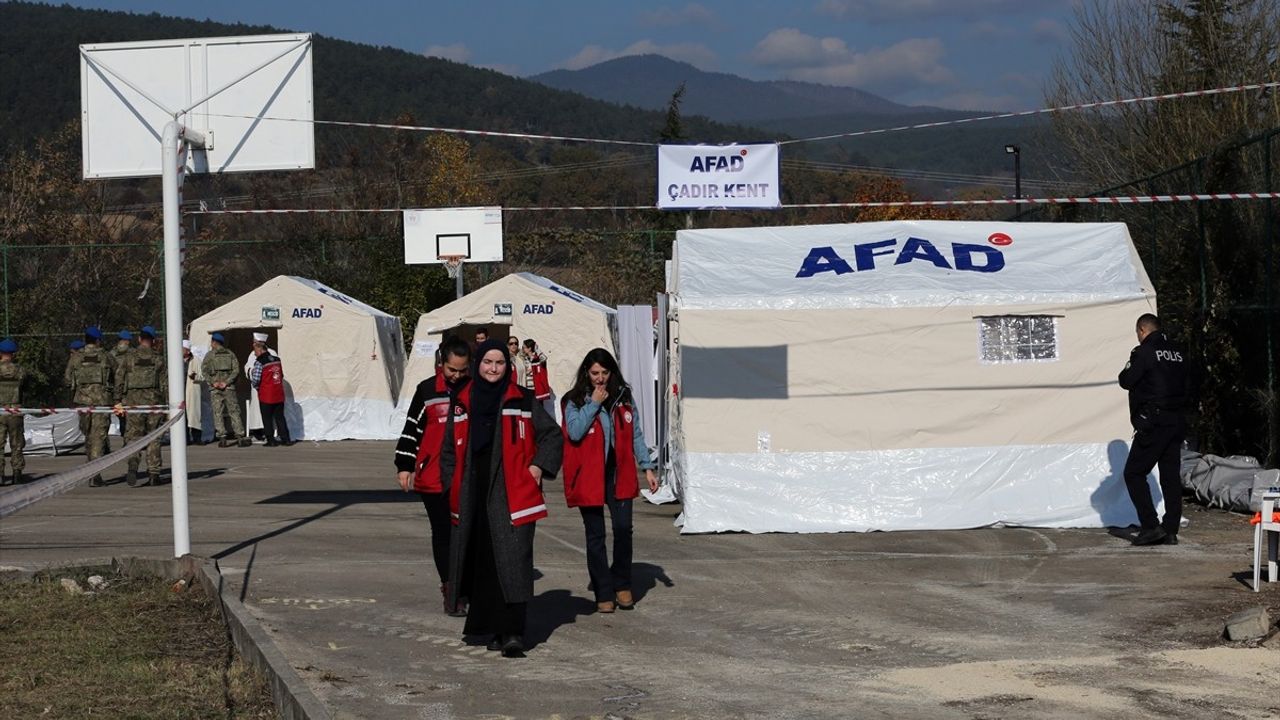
<point x="519" y="450"/>
<point x="422" y="439"/>
<point x="584" y="460"/>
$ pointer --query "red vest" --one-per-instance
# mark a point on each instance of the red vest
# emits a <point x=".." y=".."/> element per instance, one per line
<point x="524" y="497"/>
<point x="541" y="385"/>
<point x="432" y="421"/>
<point x="271" y="384"/>
<point x="584" y="460"/>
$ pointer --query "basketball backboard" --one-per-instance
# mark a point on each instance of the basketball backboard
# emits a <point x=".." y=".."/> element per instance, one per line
<point x="251" y="97"/>
<point x="473" y="233"/>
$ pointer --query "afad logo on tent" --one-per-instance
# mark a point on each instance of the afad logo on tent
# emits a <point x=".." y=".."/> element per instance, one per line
<point x="963" y="256"/>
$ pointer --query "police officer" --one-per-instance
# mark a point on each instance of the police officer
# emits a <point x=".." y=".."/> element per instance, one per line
<point x="124" y="346"/>
<point x="1158" y="380"/>
<point x="221" y="369"/>
<point x="140" y="381"/>
<point x="92" y="374"/>
<point x="11" y="377"/>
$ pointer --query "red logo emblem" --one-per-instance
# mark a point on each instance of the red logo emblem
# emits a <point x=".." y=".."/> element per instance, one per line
<point x="743" y="153"/>
<point x="1000" y="239"/>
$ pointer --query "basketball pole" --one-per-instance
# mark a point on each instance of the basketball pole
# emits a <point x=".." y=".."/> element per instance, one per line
<point x="172" y="163"/>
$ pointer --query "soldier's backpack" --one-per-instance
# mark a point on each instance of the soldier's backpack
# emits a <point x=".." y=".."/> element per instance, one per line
<point x="144" y="373"/>
<point x="91" y="370"/>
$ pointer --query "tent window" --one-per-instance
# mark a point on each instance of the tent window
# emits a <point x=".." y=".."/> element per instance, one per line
<point x="1017" y="338"/>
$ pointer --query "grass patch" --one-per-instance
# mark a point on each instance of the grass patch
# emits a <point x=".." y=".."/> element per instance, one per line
<point x="134" y="649"/>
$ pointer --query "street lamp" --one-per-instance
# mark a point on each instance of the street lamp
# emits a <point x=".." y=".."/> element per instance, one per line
<point x="1016" y="152"/>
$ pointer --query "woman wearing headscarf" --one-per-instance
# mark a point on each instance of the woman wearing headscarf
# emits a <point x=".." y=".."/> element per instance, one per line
<point x="604" y="446"/>
<point x="503" y="444"/>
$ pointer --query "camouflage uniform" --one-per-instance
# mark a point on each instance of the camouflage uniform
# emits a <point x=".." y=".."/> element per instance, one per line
<point x="119" y="353"/>
<point x="221" y="366"/>
<point x="140" y="380"/>
<point x="91" y="376"/>
<point x="11" y="426"/>
<point x="68" y="379"/>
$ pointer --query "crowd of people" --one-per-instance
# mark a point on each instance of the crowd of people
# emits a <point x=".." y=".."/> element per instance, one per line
<point x="133" y="377"/>
<point x="477" y="442"/>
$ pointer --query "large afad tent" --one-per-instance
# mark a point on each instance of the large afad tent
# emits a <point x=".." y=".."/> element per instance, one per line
<point x="343" y="360"/>
<point x="565" y="324"/>
<point x="903" y="375"/>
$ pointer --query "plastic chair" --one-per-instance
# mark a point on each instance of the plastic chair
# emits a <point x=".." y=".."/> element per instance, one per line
<point x="1267" y="526"/>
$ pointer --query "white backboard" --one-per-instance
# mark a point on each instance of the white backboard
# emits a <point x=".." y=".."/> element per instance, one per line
<point x="261" y="122"/>
<point x="475" y="233"/>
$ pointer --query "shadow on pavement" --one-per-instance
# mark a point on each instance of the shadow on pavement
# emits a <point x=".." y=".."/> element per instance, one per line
<point x="645" y="576"/>
<point x="551" y="610"/>
<point x="338" y="499"/>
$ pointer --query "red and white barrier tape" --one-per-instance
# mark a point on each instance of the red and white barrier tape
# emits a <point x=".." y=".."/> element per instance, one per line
<point x="1086" y="200"/>
<point x="857" y="133"/>
<point x="453" y="131"/>
<point x="1042" y="111"/>
<point x="88" y="410"/>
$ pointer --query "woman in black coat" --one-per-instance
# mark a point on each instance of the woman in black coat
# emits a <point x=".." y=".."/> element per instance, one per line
<point x="503" y="444"/>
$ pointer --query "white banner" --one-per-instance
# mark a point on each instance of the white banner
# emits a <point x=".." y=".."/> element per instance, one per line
<point x="718" y="176"/>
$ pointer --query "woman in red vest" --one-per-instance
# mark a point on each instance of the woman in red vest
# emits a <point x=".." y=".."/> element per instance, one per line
<point x="603" y="447"/>
<point x="503" y="442"/>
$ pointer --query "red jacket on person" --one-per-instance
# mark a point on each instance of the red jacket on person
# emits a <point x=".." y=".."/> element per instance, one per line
<point x="584" y="460"/>
<point x="541" y="385"/>
<point x="418" y="451"/>
<point x="271" y="383"/>
<point x="524" y="495"/>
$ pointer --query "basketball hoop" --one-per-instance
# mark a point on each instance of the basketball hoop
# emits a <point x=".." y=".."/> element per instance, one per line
<point x="452" y="264"/>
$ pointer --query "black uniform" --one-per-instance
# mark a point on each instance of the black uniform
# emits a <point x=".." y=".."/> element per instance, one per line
<point x="1158" y="380"/>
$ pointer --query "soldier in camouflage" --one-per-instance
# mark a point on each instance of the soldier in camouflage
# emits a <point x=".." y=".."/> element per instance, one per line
<point x="73" y="357"/>
<point x="140" y="381"/>
<point x="92" y="372"/>
<point x="11" y="377"/>
<point x="220" y="370"/>
<point x="124" y="346"/>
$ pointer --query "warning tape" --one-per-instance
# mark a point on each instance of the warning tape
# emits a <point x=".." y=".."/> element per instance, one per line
<point x="1082" y="200"/>
<point x="856" y="133"/>
<point x="453" y="131"/>
<point x="1043" y="111"/>
<point x="21" y="496"/>
<point x="88" y="410"/>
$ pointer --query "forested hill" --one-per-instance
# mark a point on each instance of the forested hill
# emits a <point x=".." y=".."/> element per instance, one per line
<point x="40" y="81"/>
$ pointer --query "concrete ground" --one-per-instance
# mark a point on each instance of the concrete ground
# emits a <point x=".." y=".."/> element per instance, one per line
<point x="998" y="623"/>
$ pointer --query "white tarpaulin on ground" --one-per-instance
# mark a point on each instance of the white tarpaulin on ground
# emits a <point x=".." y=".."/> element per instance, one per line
<point x="718" y="176"/>
<point x="903" y="375"/>
<point x="343" y="360"/>
<point x="57" y="434"/>
<point x="565" y="324"/>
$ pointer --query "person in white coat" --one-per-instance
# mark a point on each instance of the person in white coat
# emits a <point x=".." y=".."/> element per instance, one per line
<point x="194" y="383"/>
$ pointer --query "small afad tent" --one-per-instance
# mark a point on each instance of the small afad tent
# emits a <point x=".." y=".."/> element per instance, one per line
<point x="565" y="324"/>
<point x="902" y="375"/>
<point x="343" y="360"/>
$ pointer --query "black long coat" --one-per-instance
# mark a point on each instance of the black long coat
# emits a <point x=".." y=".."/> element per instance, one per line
<point x="512" y="545"/>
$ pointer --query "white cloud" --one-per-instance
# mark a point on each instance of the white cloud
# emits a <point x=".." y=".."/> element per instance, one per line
<point x="693" y="14"/>
<point x="457" y="52"/>
<point x="695" y="54"/>
<point x="898" y="10"/>
<point x="902" y="66"/>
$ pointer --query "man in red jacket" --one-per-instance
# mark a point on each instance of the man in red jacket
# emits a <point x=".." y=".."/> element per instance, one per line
<point x="418" y="453"/>
<point x="267" y="377"/>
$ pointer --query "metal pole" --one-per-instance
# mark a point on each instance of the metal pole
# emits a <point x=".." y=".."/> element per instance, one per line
<point x="457" y="284"/>
<point x="171" y="160"/>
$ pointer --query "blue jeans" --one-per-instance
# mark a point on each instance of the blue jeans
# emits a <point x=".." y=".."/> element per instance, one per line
<point x="605" y="578"/>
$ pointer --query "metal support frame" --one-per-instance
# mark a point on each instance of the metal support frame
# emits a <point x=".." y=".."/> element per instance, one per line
<point x="174" y="141"/>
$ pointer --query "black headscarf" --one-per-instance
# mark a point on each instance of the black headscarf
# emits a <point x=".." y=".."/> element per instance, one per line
<point x="486" y="397"/>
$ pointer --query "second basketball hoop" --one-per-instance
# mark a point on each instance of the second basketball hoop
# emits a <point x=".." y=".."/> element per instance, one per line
<point x="453" y="236"/>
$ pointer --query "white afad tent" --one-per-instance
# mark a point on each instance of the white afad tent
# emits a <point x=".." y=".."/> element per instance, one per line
<point x="902" y="375"/>
<point x="343" y="360"/>
<point x="565" y="324"/>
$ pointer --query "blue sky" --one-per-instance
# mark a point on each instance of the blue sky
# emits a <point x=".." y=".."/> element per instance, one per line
<point x="967" y="54"/>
